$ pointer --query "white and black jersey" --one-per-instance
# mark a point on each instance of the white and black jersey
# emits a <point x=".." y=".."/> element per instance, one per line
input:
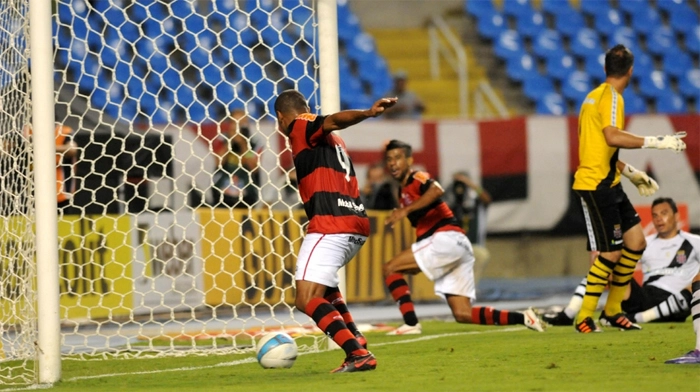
<point x="670" y="264"/>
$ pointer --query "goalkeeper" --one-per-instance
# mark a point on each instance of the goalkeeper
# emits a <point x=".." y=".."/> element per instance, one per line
<point x="669" y="263"/>
<point x="613" y="226"/>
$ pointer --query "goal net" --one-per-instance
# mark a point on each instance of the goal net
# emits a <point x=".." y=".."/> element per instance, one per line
<point x="178" y="215"/>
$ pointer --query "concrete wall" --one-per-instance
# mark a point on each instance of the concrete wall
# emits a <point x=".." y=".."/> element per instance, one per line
<point x="536" y="257"/>
<point x="386" y="14"/>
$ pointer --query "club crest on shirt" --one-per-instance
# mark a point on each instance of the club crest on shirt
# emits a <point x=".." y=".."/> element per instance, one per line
<point x="681" y="257"/>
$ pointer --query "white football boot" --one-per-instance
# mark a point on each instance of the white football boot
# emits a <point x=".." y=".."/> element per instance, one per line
<point x="532" y="320"/>
<point x="407" y="330"/>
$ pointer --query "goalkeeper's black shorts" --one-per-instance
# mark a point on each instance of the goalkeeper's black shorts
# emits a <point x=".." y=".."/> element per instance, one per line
<point x="608" y="214"/>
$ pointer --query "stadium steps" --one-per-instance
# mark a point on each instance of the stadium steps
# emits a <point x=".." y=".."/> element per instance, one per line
<point x="408" y="50"/>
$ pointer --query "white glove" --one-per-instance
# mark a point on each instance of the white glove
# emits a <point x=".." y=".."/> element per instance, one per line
<point x="666" y="142"/>
<point x="645" y="184"/>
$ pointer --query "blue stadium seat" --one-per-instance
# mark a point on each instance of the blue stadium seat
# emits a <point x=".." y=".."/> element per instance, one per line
<point x="548" y="44"/>
<point x="676" y="62"/>
<point x="551" y="104"/>
<point x="654" y="84"/>
<point x="569" y="23"/>
<point x="692" y="41"/>
<point x="629" y="6"/>
<point x="522" y="67"/>
<point x="479" y="8"/>
<point x="671" y="103"/>
<point x="683" y="19"/>
<point x="348" y="24"/>
<point x="537" y="87"/>
<point x="509" y="44"/>
<point x="607" y="22"/>
<point x="594" y="7"/>
<point x="586" y="43"/>
<point x="661" y="39"/>
<point x="645" y="19"/>
<point x="555" y="7"/>
<point x="595" y="66"/>
<point x="530" y="24"/>
<point x="671" y="5"/>
<point x="634" y="104"/>
<point x="643" y="65"/>
<point x="689" y="83"/>
<point x="626" y="36"/>
<point x="559" y="67"/>
<point x="491" y="26"/>
<point x="576" y="86"/>
<point x="516" y="8"/>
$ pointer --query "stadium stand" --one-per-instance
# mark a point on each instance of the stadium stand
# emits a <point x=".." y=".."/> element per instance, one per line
<point x="214" y="63"/>
<point x="663" y="34"/>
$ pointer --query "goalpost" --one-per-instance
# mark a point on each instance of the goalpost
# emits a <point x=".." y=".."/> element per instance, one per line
<point x="140" y="260"/>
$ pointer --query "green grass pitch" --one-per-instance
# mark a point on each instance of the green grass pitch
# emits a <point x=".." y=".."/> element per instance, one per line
<point x="447" y="357"/>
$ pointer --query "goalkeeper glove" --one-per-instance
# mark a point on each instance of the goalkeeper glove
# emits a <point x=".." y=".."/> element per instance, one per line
<point x="668" y="142"/>
<point x="645" y="184"/>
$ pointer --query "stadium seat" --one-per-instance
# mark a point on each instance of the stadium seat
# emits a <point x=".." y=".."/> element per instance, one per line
<point x="569" y="23"/>
<point x="576" y="86"/>
<point x="671" y="5"/>
<point x="509" y="44"/>
<point x="555" y="7"/>
<point x="516" y="8"/>
<point x="643" y="65"/>
<point x="586" y="43"/>
<point x="671" y="103"/>
<point x="660" y="40"/>
<point x="626" y="36"/>
<point x="491" y="26"/>
<point x="551" y="104"/>
<point x="537" y="87"/>
<point x="548" y="44"/>
<point x="629" y="6"/>
<point x="692" y="41"/>
<point x="607" y="22"/>
<point x="594" y="7"/>
<point x="676" y="62"/>
<point x="479" y="8"/>
<point x="634" y="104"/>
<point x="559" y="67"/>
<point x="522" y="67"/>
<point x="348" y="24"/>
<point x="530" y="24"/>
<point x="644" y="20"/>
<point x="653" y="84"/>
<point x="595" y="66"/>
<point x="689" y="83"/>
<point x="683" y="19"/>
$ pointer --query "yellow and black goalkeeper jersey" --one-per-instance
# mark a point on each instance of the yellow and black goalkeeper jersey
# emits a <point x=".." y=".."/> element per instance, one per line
<point x="597" y="161"/>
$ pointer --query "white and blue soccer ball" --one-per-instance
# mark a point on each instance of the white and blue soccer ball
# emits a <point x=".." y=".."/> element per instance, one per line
<point x="276" y="350"/>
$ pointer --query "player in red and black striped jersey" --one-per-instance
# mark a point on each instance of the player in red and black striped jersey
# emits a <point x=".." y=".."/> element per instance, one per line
<point x="442" y="251"/>
<point x="338" y="223"/>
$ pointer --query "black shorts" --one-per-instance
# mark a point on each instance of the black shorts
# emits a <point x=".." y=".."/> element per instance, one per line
<point x="646" y="297"/>
<point x="608" y="214"/>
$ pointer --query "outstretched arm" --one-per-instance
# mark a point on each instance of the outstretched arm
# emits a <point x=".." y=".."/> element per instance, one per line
<point x="616" y="137"/>
<point x="433" y="193"/>
<point x="346" y="118"/>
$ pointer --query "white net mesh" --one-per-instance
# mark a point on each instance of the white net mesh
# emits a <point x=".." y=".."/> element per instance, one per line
<point x="17" y="272"/>
<point x="178" y="213"/>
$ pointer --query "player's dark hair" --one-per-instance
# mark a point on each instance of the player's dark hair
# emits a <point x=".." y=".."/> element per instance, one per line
<point x="662" y="200"/>
<point x="290" y="100"/>
<point x="394" y="144"/>
<point x="618" y="61"/>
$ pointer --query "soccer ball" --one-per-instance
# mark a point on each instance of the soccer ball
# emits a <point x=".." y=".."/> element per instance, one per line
<point x="276" y="350"/>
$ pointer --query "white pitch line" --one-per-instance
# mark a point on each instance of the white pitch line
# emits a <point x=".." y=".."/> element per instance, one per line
<point x="252" y="359"/>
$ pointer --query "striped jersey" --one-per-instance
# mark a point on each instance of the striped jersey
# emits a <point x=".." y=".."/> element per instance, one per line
<point x="670" y="264"/>
<point x="428" y="220"/>
<point x="326" y="178"/>
<point x="597" y="168"/>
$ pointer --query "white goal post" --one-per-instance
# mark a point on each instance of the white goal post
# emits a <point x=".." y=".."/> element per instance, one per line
<point x="123" y="119"/>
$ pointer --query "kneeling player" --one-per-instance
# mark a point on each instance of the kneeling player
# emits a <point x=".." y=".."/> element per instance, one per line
<point x="442" y="251"/>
